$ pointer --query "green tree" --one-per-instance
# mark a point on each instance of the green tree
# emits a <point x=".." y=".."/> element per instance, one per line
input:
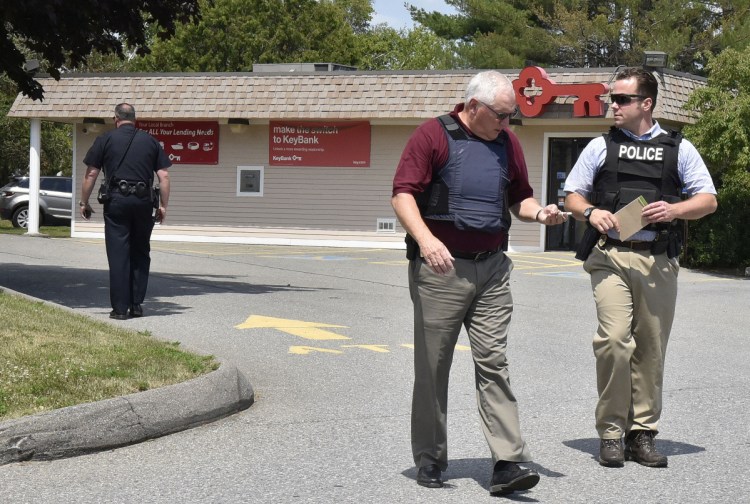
<point x="67" y="32"/>
<point x="722" y="135"/>
<point x="234" y="34"/>
<point x="357" y="13"/>
<point x="590" y="33"/>
<point x="15" y="143"/>
<point x="385" y="48"/>
<point x="491" y="33"/>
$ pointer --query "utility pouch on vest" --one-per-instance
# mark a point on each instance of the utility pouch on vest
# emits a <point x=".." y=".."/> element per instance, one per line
<point x="142" y="190"/>
<point x="412" y="248"/>
<point x="628" y="194"/>
<point x="669" y="241"/>
<point x="589" y="239"/>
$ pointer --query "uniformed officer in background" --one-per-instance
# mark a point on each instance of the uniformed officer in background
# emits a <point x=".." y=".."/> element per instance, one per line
<point x="130" y="158"/>
<point x="635" y="281"/>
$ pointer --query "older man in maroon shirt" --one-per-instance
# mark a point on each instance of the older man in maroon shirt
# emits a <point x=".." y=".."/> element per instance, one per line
<point x="459" y="178"/>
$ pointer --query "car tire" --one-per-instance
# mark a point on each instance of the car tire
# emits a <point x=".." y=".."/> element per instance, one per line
<point x="20" y="217"/>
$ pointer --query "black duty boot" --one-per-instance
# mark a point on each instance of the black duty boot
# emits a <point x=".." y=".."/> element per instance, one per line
<point x="610" y="453"/>
<point x="639" y="447"/>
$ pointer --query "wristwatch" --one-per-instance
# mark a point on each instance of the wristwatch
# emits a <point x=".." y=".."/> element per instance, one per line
<point x="81" y="203"/>
<point x="587" y="213"/>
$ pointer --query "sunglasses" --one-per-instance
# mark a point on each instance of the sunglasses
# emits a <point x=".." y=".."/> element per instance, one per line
<point x="625" y="99"/>
<point x="500" y="116"/>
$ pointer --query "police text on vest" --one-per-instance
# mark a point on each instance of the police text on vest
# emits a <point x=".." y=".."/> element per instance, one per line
<point x="641" y="153"/>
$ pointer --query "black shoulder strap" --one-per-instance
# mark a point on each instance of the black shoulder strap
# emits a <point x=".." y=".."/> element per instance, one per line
<point x="112" y="176"/>
<point x="457" y="132"/>
<point x="452" y="127"/>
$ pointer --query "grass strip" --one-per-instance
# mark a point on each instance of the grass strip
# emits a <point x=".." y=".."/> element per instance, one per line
<point x="6" y="227"/>
<point x="52" y="358"/>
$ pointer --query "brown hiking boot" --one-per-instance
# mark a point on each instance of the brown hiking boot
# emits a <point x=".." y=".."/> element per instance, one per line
<point x="639" y="447"/>
<point x="610" y="453"/>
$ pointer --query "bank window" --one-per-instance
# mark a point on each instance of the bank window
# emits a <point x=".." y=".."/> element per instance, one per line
<point x="249" y="181"/>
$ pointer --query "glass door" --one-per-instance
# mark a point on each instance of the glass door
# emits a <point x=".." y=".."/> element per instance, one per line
<point x="563" y="154"/>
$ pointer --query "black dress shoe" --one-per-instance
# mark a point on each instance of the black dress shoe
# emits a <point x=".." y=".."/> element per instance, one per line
<point x="507" y="477"/>
<point x="136" y="310"/>
<point x="430" y="476"/>
<point x="118" y="316"/>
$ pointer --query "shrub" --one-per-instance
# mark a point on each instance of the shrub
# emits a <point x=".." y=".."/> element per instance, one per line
<point x="721" y="239"/>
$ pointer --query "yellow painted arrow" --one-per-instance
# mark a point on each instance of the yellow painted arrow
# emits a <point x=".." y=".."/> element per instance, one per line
<point x="374" y="348"/>
<point x="307" y="330"/>
<point x="304" y="350"/>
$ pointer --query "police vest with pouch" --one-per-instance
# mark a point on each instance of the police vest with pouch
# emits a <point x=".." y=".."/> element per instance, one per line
<point x="471" y="188"/>
<point x="636" y="168"/>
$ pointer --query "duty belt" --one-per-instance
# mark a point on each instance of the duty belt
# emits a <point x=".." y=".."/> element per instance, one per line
<point x="126" y="187"/>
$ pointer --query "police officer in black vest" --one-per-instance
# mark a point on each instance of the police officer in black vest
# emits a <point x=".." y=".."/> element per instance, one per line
<point x="131" y="158"/>
<point x="634" y="278"/>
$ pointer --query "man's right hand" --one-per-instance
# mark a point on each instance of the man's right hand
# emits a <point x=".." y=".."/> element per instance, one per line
<point x="604" y="220"/>
<point x="436" y="255"/>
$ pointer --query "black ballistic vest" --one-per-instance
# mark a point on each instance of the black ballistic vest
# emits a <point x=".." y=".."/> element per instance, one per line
<point x="635" y="168"/>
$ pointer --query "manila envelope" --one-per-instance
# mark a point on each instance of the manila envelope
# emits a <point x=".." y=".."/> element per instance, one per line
<point x="631" y="219"/>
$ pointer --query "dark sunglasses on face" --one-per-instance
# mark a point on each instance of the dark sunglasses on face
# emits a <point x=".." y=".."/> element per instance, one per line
<point x="625" y="99"/>
<point x="500" y="116"/>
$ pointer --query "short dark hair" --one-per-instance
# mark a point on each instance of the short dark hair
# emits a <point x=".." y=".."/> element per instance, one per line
<point x="647" y="85"/>
<point x="125" y="112"/>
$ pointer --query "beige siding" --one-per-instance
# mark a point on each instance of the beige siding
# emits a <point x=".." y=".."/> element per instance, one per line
<point x="333" y="199"/>
<point x="318" y="203"/>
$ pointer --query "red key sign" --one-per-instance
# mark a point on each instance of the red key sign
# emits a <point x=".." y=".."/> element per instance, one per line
<point x="587" y="104"/>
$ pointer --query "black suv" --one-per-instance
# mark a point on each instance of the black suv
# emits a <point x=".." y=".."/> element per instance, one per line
<point x="55" y="200"/>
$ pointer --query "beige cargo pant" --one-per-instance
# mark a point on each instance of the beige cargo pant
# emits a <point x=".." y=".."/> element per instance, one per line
<point x="635" y="294"/>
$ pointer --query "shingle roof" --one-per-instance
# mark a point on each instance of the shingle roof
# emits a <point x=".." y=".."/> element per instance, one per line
<point x="317" y="95"/>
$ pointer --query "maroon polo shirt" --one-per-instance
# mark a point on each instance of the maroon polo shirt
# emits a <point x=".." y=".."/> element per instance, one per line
<point x="426" y="152"/>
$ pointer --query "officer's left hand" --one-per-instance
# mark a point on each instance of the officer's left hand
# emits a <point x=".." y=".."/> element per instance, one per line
<point x="86" y="210"/>
<point x="659" y="211"/>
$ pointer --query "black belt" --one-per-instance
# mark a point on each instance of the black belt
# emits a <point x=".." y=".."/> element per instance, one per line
<point x="632" y="245"/>
<point x="475" y="256"/>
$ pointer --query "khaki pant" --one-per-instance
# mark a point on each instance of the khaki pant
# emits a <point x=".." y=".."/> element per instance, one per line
<point x="476" y="295"/>
<point x="635" y="294"/>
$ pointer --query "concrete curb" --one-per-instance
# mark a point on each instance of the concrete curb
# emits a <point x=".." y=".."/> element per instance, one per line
<point x="120" y="421"/>
<point x="125" y="420"/>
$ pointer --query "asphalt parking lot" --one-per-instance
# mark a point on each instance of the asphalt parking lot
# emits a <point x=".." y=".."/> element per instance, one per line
<point x="324" y="337"/>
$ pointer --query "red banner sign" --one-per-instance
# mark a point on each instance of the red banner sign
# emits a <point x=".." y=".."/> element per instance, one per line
<point x="186" y="142"/>
<point x="313" y="143"/>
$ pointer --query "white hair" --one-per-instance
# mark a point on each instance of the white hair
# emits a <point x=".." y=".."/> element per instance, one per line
<point x="485" y="86"/>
